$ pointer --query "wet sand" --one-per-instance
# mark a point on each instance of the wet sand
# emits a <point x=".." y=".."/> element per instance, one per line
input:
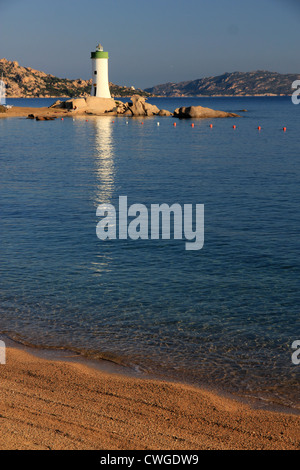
<point x="49" y="404"/>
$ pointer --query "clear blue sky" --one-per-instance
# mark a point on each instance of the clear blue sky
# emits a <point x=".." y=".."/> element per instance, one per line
<point x="152" y="42"/>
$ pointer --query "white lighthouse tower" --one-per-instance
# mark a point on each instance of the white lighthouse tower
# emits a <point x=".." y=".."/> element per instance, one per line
<point x="2" y="92"/>
<point x="100" y="87"/>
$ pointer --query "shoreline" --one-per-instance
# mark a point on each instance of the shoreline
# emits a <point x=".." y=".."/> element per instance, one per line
<point x="117" y="365"/>
<point x="267" y="95"/>
<point x="48" y="112"/>
<point x="66" y="403"/>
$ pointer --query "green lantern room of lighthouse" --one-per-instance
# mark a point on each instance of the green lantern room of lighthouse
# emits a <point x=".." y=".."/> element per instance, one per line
<point x="99" y="53"/>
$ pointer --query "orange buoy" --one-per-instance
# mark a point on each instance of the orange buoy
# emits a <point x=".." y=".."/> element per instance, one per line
<point x="62" y="119"/>
<point x="234" y="126"/>
<point x="174" y="124"/>
<point x="211" y="126"/>
<point x="142" y="123"/>
<point x="259" y="128"/>
<point x="284" y="129"/>
<point x="193" y="125"/>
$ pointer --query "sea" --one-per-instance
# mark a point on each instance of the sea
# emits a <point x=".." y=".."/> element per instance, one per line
<point x="224" y="317"/>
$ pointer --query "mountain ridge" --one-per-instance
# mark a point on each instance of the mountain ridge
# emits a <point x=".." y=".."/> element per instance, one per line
<point x="259" y="82"/>
<point x="26" y="82"/>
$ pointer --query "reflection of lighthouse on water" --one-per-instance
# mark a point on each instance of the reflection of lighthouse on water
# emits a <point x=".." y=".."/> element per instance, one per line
<point x="104" y="159"/>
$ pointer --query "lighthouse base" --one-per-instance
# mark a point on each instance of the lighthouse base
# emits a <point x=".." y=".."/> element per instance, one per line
<point x="90" y="104"/>
<point x="100" y="105"/>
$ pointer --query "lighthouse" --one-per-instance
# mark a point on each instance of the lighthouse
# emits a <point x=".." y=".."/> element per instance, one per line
<point x="100" y="87"/>
<point x="2" y="95"/>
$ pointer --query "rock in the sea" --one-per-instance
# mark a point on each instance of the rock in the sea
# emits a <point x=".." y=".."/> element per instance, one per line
<point x="165" y="112"/>
<point x="58" y="104"/>
<point x="91" y="104"/>
<point x="139" y="107"/>
<point x="78" y="103"/>
<point x="99" y="105"/>
<point x="94" y="105"/>
<point x="121" y="107"/>
<point x="43" y="118"/>
<point x="151" y="109"/>
<point x="200" y="112"/>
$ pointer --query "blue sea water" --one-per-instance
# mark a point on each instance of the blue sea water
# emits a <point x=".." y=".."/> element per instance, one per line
<point x="225" y="316"/>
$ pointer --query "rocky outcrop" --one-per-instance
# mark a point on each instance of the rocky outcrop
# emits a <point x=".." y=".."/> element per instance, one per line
<point x="78" y="103"/>
<point x="99" y="105"/>
<point x="151" y="109"/>
<point x="200" y="112"/>
<point x="27" y="82"/>
<point x="90" y="105"/>
<point x="137" y="107"/>
<point x="165" y="112"/>
<point x="43" y="118"/>
<point x="57" y="104"/>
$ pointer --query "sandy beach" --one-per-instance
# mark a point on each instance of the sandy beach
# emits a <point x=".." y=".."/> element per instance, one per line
<point x="19" y="111"/>
<point x="49" y="404"/>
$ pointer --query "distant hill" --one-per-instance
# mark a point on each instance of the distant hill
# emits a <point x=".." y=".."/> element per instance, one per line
<point x="25" y="82"/>
<point x="230" y="84"/>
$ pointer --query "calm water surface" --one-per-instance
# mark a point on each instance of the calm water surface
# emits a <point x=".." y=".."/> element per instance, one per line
<point x="225" y="316"/>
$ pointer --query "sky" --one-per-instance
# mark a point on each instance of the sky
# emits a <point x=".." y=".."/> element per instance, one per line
<point x="152" y="42"/>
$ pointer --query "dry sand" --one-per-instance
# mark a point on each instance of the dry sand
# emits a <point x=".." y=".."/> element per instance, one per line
<point x="48" y="404"/>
